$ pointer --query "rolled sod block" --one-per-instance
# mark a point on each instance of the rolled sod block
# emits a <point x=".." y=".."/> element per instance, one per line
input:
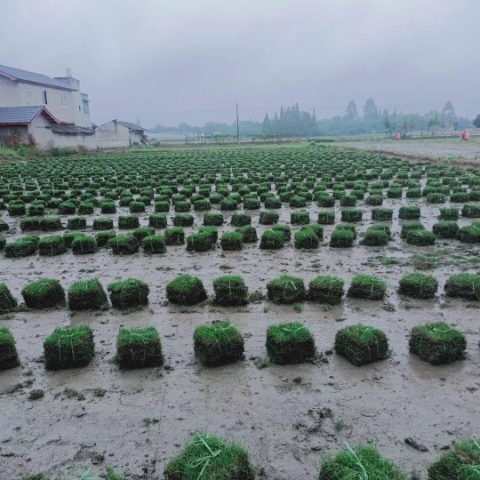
<point x="123" y="245"/>
<point x="471" y="211"/>
<point x="8" y="303"/>
<point x="285" y="229"/>
<point x="351" y="215"/>
<point x="316" y="227"/>
<point x="463" y="285"/>
<point x="418" y="285"/>
<point x="272" y="240"/>
<point x="375" y="238"/>
<point x="199" y="242"/>
<point x="249" y="234"/>
<point x="326" y="217"/>
<point x="230" y="291"/>
<point x="289" y="343"/>
<point x="29" y="224"/>
<point x="103" y="224"/>
<point x="154" y="244"/>
<point x="50" y="224"/>
<point x="87" y="295"/>
<point x="410" y="212"/>
<point x="20" y="248"/>
<point x="449" y="213"/>
<point x="446" y="229"/>
<point x="437" y="343"/>
<point x="84" y="244"/>
<point x="213" y="219"/>
<point x="361" y="344"/>
<point x="69" y="237"/>
<point x="341" y="238"/>
<point x="421" y="238"/>
<point x="374" y="200"/>
<point x="51" y="246"/>
<point x="104" y="236"/>
<point x="183" y="220"/>
<point x="361" y="463"/>
<point x="142" y="232"/>
<point x="8" y="350"/>
<point x="3" y="242"/>
<point x="174" y="236"/>
<point x="108" y="206"/>
<point x="77" y="223"/>
<point x="306" y="239"/>
<point x="218" y="344"/>
<point x="240" y="220"/>
<point x="44" y="293"/>
<point x="297" y="201"/>
<point x="128" y="293"/>
<point x="299" y="218"/>
<point x="268" y="217"/>
<point x="128" y="222"/>
<point x="70" y="347"/>
<point x="231" y="241"/>
<point x="212" y="231"/>
<point x="157" y="220"/>
<point x="3" y="226"/>
<point x="382" y="214"/>
<point x="326" y="289"/>
<point x="469" y="234"/>
<point x="139" y="348"/>
<point x="186" y="290"/>
<point x="410" y="227"/>
<point x="367" y="286"/>
<point x="208" y="457"/>
<point x="135" y="207"/>
<point x="459" y="463"/>
<point x="286" y="290"/>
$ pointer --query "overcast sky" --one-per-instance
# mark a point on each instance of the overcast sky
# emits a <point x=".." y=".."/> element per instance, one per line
<point x="192" y="60"/>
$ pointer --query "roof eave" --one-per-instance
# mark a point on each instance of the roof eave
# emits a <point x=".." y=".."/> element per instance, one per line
<point x="16" y="124"/>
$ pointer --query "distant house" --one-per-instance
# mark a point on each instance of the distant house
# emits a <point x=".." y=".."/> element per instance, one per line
<point x="123" y="134"/>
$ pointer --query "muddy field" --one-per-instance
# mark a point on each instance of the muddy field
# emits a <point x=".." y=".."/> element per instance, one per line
<point x="288" y="417"/>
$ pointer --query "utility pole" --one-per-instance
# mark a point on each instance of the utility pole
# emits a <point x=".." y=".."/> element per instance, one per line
<point x="238" y="129"/>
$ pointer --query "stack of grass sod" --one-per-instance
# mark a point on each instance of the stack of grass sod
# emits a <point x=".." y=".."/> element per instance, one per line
<point x="174" y="236"/>
<point x="375" y="237"/>
<point x="285" y="229"/>
<point x="8" y="303"/>
<point x="3" y="242"/>
<point x="103" y="237"/>
<point x="154" y="244"/>
<point x="69" y="237"/>
<point x="142" y="232"/>
<point x="8" y="350"/>
<point x="199" y="242"/>
<point x="272" y="240"/>
<point x="212" y="231"/>
<point x="286" y="290"/>
<point x="306" y="239"/>
<point x="44" y="293"/>
<point x="327" y="217"/>
<point x="249" y="234"/>
<point x="4" y="227"/>
<point x="351" y="215"/>
<point x="300" y="218"/>
<point x="218" y="344"/>
<point x="374" y="199"/>
<point x="410" y="227"/>
<point x="469" y="234"/>
<point x="410" y="212"/>
<point x="30" y="224"/>
<point x="77" y="223"/>
<point x="461" y="462"/>
<point x="361" y="344"/>
<point x="103" y="224"/>
<point x="361" y="463"/>
<point x="230" y="291"/>
<point x="139" y="348"/>
<point x="186" y="290"/>
<point x="367" y="286"/>
<point x="268" y="217"/>
<point x="471" y="211"/>
<point x="449" y="213"/>
<point x="87" y="295"/>
<point x="128" y="222"/>
<point x="128" y="293"/>
<point x="51" y="246"/>
<point x="183" y="220"/>
<point x="23" y="247"/>
<point x="342" y="237"/>
<point x="84" y="244"/>
<point x="463" y="285"/>
<point x="50" y="224"/>
<point x="157" y="220"/>
<point x="382" y="214"/>
<point x="231" y="241"/>
<point x="240" y="219"/>
<point x="421" y="238"/>
<point x="326" y="289"/>
<point x="290" y="343"/>
<point x="445" y="229"/>
<point x="437" y="343"/>
<point x="207" y="457"/>
<point x="418" y="285"/>
<point x="213" y="219"/>
<point x="123" y="244"/>
<point x="69" y="347"/>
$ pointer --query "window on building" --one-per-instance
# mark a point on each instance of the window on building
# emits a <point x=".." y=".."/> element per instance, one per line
<point x="64" y="99"/>
<point x="44" y="97"/>
<point x="85" y="106"/>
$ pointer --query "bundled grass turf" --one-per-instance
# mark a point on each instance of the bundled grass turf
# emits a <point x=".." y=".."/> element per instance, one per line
<point x="199" y="242"/>
<point x="289" y="343"/>
<point x="87" y="295"/>
<point x="207" y="457"/>
<point x="285" y="229"/>
<point x="69" y="237"/>
<point x="137" y="207"/>
<point x="44" y="293"/>
<point x="230" y="291"/>
<point x="449" y="213"/>
<point x="186" y="290"/>
<point x="29" y="224"/>
<point x="374" y="200"/>
<point x="437" y="343"/>
<point x="461" y="462"/>
<point x="383" y="214"/>
<point x="70" y="347"/>
<point x="175" y="236"/>
<point x="410" y="227"/>
<point x="139" y="348"/>
<point x="348" y="201"/>
<point x="375" y="237"/>
<point x="213" y="219"/>
<point x="3" y="226"/>
<point x="421" y="238"/>
<point x="286" y="290"/>
<point x="128" y="293"/>
<point x="51" y="246"/>
<point x="77" y="223"/>
<point x="183" y="220"/>
<point x="23" y="247"/>
<point x="231" y="241"/>
<point x="351" y="215"/>
<point x="299" y="218"/>
<point x="218" y="344"/>
<point x="83" y="244"/>
<point x="3" y="242"/>
<point x="463" y="285"/>
<point x="8" y="350"/>
<point x="123" y="244"/>
<point x="316" y="228"/>
<point x="212" y="231"/>
<point x="361" y="344"/>
<point x="8" y="303"/>
<point x="157" y="220"/>
<point x="327" y="217"/>
<point x="326" y="289"/>
<point x="128" y="222"/>
<point x="326" y="201"/>
<point x="154" y="244"/>
<point x="104" y="237"/>
<point x="50" y="224"/>
<point x="103" y="224"/>
<point x="341" y="238"/>
<point x="240" y="220"/>
<point x="410" y="212"/>
<point x="297" y="201"/>
<point x="418" y="285"/>
<point x="469" y="234"/>
<point x="471" y="211"/>
<point x="361" y="463"/>
<point x="268" y="217"/>
<point x="272" y="240"/>
<point x="142" y="232"/>
<point x="249" y="233"/>
<point x="446" y="229"/>
<point x="367" y="286"/>
<point x="307" y="239"/>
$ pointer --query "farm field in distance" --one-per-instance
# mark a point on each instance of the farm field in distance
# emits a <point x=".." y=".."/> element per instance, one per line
<point x="365" y="221"/>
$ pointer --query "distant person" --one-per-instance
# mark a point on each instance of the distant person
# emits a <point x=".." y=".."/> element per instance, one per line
<point x="397" y="136"/>
<point x="467" y="135"/>
<point x="463" y="135"/>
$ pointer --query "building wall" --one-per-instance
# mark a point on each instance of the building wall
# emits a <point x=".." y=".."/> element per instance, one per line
<point x="112" y="135"/>
<point x="7" y="131"/>
<point x="134" y="137"/>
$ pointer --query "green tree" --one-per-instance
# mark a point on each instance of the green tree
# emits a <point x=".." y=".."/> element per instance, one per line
<point x="267" y="126"/>
<point x="351" y="112"/>
<point x="370" y="112"/>
<point x="476" y="122"/>
<point x="448" y="114"/>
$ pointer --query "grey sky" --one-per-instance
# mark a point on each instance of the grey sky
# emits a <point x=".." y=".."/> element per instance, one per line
<point x="193" y="59"/>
